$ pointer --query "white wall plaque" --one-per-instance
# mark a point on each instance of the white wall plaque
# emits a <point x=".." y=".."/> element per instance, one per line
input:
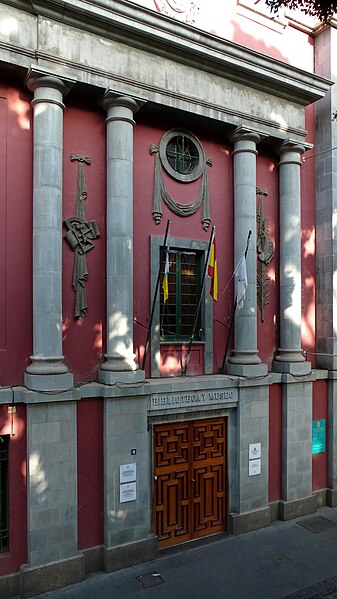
<point x="127" y="473"/>
<point x="254" y="467"/>
<point x="254" y="451"/>
<point x="127" y="492"/>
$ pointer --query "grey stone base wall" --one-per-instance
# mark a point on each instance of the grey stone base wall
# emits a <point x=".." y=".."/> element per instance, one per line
<point x="41" y="579"/>
<point x="51" y="576"/>
<point x="297" y="508"/>
<point x="130" y="554"/>
<point x="240" y="523"/>
<point x="93" y="559"/>
<point x="9" y="585"/>
<point x="331" y="497"/>
<point x="321" y="498"/>
<point x="274" y="511"/>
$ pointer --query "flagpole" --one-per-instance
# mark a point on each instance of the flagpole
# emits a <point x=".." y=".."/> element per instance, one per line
<point x="196" y="314"/>
<point x="232" y="315"/>
<point x="163" y="249"/>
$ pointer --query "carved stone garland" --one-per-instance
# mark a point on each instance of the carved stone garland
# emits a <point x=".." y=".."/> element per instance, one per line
<point x="265" y="254"/>
<point x="177" y="208"/>
<point x="79" y="236"/>
<point x="187" y="9"/>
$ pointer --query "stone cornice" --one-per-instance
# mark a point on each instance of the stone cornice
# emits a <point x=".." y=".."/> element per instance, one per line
<point x="142" y="28"/>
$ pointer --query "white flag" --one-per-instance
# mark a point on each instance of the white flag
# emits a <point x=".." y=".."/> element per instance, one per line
<point x="241" y="285"/>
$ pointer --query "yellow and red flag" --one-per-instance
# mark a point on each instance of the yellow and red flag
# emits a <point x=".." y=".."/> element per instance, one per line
<point x="213" y="272"/>
<point x="166" y="274"/>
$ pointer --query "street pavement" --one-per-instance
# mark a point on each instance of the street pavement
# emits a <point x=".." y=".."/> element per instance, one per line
<point x="288" y="560"/>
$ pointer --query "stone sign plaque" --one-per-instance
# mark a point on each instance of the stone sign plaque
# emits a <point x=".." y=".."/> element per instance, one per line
<point x="254" y="451"/>
<point x="127" y="492"/>
<point x="127" y="473"/>
<point x="254" y="467"/>
<point x="191" y="399"/>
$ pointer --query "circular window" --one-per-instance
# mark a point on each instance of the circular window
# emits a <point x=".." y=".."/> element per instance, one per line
<point x="182" y="155"/>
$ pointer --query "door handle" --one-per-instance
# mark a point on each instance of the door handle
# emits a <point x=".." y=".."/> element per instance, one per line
<point x="155" y="477"/>
<point x="193" y="480"/>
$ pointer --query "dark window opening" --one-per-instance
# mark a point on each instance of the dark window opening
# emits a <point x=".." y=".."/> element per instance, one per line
<point x="177" y="314"/>
<point x="4" y="439"/>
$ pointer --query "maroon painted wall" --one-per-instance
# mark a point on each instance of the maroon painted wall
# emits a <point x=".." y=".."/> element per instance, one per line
<point x="84" y="134"/>
<point x="275" y="443"/>
<point x="15" y="234"/>
<point x="17" y="553"/>
<point x="90" y="472"/>
<point x="222" y="210"/>
<point x="320" y="412"/>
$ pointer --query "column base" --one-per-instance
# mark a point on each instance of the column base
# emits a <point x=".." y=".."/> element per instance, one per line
<point x="295" y="368"/>
<point x="111" y="377"/>
<point x="54" y="575"/>
<point x="47" y="365"/>
<point x="130" y="554"/>
<point x="244" y="356"/>
<point x="299" y="507"/>
<point x="291" y="361"/>
<point x="331" y="497"/>
<point x="10" y="586"/>
<point x="49" y="382"/>
<point x="119" y="363"/>
<point x="248" y="370"/>
<point x="240" y="523"/>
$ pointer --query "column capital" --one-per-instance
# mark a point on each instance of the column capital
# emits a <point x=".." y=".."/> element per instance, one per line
<point x="242" y="133"/>
<point x="38" y="77"/>
<point x="290" y="145"/>
<point x="113" y="98"/>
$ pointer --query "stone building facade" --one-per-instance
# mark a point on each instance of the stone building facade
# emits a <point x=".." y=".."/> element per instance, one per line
<point x="117" y="117"/>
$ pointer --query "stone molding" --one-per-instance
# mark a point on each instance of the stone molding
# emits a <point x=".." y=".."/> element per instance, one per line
<point x="120" y="20"/>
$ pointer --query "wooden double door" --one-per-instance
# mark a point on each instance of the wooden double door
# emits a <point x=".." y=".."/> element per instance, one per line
<point x="189" y="480"/>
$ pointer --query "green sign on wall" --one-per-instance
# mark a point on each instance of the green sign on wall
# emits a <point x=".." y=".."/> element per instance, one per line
<point x="318" y="436"/>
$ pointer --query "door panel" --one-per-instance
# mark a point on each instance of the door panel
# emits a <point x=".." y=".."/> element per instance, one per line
<point x="189" y="472"/>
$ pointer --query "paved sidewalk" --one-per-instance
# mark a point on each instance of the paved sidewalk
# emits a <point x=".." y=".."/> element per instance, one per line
<point x="272" y="563"/>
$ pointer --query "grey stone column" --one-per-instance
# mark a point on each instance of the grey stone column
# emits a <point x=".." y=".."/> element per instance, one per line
<point x="297" y="499"/>
<point x="245" y="360"/>
<point x="47" y="370"/>
<point x="248" y="508"/>
<point x="119" y="362"/>
<point x="53" y="557"/>
<point x="289" y="357"/>
<point x="126" y="524"/>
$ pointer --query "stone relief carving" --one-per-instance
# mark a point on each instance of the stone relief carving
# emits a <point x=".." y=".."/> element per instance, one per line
<point x="265" y="254"/>
<point x="80" y="237"/>
<point x="185" y="167"/>
<point x="187" y="9"/>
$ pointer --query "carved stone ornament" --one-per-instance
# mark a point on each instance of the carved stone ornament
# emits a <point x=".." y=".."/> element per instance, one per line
<point x="180" y="153"/>
<point x="265" y="254"/>
<point x="80" y="237"/>
<point x="187" y="9"/>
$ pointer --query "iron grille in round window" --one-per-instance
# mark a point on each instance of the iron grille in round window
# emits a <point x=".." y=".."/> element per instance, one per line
<point x="182" y="155"/>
